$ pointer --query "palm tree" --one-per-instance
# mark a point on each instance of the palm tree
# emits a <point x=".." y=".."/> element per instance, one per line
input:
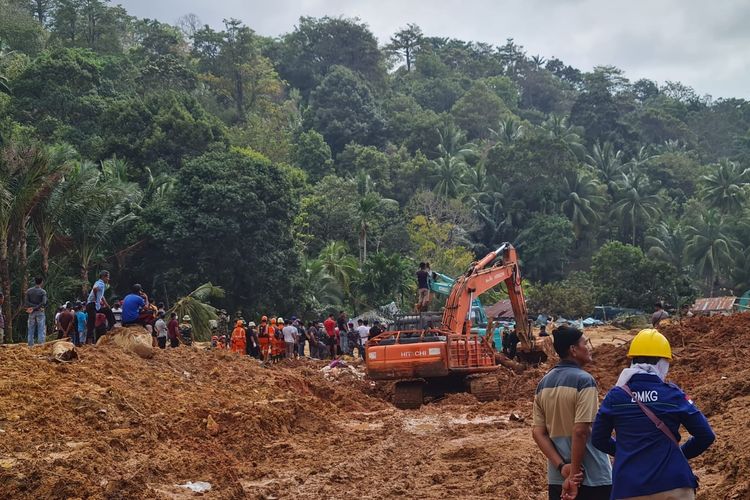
<point x="538" y="62"/>
<point x="607" y="164"/>
<point x="369" y="208"/>
<point x="47" y="215"/>
<point x="339" y="264"/>
<point x="104" y="203"/>
<point x="557" y="127"/>
<point x="640" y="159"/>
<point x="320" y="289"/>
<point x="633" y="205"/>
<point x="582" y="202"/>
<point x="726" y="188"/>
<point x="195" y="304"/>
<point x="4" y="86"/>
<point x="451" y="164"/>
<point x="711" y="246"/>
<point x="508" y="131"/>
<point x="668" y="244"/>
<point x="26" y="179"/>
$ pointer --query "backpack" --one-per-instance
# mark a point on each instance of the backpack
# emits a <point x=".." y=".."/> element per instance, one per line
<point x="278" y="334"/>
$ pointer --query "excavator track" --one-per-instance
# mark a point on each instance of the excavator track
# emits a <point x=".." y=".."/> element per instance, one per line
<point x="408" y="395"/>
<point x="484" y="388"/>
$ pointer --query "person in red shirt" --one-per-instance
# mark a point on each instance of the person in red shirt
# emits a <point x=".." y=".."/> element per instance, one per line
<point x="330" y="326"/>
<point x="173" y="330"/>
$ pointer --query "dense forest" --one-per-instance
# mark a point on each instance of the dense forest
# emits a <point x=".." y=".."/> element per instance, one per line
<point x="312" y="171"/>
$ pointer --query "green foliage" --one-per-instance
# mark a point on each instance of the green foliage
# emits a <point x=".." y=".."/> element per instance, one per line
<point x="477" y="108"/>
<point x="178" y="155"/>
<point x="313" y="155"/>
<point x="159" y="130"/>
<point x="546" y="245"/>
<point x="316" y="46"/>
<point x="623" y="275"/>
<point x="570" y="298"/>
<point x="195" y="304"/>
<point x="343" y="109"/>
<point x="243" y="205"/>
<point x="19" y="30"/>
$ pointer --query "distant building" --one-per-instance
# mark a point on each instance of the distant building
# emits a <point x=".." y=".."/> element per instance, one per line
<point x="708" y="306"/>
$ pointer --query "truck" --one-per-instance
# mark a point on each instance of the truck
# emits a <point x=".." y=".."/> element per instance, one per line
<point x="433" y="358"/>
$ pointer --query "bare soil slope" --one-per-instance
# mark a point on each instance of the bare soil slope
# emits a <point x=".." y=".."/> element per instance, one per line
<point x="114" y="425"/>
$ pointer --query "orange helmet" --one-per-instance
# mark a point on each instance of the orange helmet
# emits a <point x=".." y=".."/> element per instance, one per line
<point x="273" y="320"/>
<point x="264" y="318"/>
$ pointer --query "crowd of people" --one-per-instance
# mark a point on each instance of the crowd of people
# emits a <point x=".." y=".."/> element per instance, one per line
<point x="273" y="339"/>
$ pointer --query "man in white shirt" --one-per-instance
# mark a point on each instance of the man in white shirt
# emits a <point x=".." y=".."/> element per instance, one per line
<point x="363" y="330"/>
<point x="290" y="338"/>
<point x="161" y="330"/>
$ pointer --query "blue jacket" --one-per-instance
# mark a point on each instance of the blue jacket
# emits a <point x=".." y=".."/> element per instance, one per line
<point x="647" y="461"/>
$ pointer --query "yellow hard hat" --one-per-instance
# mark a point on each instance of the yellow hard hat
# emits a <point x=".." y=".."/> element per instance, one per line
<point x="650" y="342"/>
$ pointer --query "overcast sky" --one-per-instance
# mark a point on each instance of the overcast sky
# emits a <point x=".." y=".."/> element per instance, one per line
<point x="703" y="44"/>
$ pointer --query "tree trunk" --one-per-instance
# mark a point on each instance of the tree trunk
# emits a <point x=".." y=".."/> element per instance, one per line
<point x="5" y="279"/>
<point x="84" y="279"/>
<point x="239" y="96"/>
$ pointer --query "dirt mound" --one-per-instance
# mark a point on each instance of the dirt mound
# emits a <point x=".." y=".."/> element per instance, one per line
<point x="113" y="425"/>
<point x="113" y="422"/>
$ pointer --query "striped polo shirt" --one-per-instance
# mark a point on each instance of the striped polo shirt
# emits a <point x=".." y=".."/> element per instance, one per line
<point x="565" y="396"/>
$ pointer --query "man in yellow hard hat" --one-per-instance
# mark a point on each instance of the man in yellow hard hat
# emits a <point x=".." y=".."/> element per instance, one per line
<point x="646" y="413"/>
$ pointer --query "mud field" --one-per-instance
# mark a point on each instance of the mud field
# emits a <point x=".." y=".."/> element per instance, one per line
<point x="113" y="425"/>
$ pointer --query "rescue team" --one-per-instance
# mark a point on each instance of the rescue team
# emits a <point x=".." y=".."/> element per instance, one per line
<point x="644" y="411"/>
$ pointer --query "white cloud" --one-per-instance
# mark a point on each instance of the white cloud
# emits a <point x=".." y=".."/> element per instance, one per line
<point x="703" y="44"/>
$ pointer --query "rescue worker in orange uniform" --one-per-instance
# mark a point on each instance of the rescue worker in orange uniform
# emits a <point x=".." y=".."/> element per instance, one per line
<point x="278" y="340"/>
<point x="238" y="338"/>
<point x="264" y="339"/>
<point x="272" y="340"/>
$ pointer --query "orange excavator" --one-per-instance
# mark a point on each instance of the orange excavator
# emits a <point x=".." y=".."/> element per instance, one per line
<point x="432" y="359"/>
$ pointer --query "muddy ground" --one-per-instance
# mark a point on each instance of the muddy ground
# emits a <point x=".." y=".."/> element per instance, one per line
<point x="113" y="425"/>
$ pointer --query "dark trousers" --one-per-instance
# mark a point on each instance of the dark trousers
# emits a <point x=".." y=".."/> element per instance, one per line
<point x="91" y="320"/>
<point x="584" y="492"/>
<point x="162" y="342"/>
<point x="174" y="343"/>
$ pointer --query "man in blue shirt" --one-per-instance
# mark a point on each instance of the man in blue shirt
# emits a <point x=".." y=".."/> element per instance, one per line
<point x="96" y="303"/>
<point x="132" y="305"/>
<point x="649" y="463"/>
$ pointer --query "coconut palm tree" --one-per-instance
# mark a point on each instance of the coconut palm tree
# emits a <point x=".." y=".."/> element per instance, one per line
<point x="583" y="200"/>
<point x="104" y="203"/>
<point x="711" y="246"/>
<point x="607" y="164"/>
<point x="195" y="304"/>
<point x="640" y="159"/>
<point x="452" y="162"/>
<point x="508" y="131"/>
<point x="557" y="127"/>
<point x="339" y="264"/>
<point x="634" y="205"/>
<point x="320" y="290"/>
<point x="27" y="178"/>
<point x="668" y="244"/>
<point x="727" y="187"/>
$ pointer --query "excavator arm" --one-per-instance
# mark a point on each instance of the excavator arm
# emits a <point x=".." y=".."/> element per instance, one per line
<point x="478" y="279"/>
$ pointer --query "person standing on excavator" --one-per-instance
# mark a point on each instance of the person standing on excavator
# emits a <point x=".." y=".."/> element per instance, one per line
<point x="565" y="406"/>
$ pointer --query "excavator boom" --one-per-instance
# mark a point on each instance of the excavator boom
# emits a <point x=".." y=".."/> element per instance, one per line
<point x="480" y="278"/>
